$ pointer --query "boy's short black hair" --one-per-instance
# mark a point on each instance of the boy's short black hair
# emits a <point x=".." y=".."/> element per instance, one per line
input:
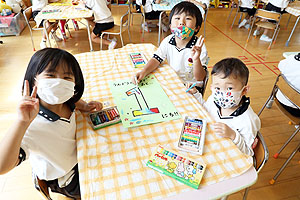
<point x="50" y="59"/>
<point x="190" y="9"/>
<point x="232" y="67"/>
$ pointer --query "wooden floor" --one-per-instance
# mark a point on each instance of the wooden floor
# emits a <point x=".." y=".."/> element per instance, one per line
<point x="221" y="42"/>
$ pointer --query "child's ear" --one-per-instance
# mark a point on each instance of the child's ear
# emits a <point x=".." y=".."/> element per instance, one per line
<point x="246" y="90"/>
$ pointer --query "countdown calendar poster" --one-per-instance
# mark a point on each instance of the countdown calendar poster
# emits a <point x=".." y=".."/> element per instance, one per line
<point x="145" y="104"/>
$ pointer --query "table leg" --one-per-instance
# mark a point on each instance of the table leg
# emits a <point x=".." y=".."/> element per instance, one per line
<point x="89" y="35"/>
<point x="159" y="27"/>
<point x="46" y="33"/>
<point x="288" y="41"/>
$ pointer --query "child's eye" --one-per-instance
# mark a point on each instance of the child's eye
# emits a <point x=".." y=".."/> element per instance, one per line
<point x="50" y="75"/>
<point x="229" y="88"/>
<point x="217" y="88"/>
<point x="68" y="78"/>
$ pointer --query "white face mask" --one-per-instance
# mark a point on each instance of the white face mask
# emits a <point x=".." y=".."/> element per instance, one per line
<point x="227" y="99"/>
<point x="55" y="90"/>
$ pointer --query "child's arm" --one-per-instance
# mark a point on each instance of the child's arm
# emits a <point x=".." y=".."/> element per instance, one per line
<point x="10" y="145"/>
<point x="224" y="130"/>
<point x="157" y="1"/>
<point x="150" y="67"/>
<point x="87" y="107"/>
<point x="199" y="71"/>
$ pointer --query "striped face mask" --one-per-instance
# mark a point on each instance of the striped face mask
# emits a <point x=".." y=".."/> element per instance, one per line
<point x="182" y="32"/>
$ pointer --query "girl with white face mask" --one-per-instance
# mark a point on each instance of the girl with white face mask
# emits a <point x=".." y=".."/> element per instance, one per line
<point x="228" y="105"/>
<point x="44" y="131"/>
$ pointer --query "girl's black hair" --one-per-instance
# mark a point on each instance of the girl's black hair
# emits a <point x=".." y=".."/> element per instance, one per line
<point x="50" y="58"/>
<point x="232" y="66"/>
<point x="190" y="9"/>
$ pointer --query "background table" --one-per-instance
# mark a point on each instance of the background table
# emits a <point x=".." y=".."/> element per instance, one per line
<point x="112" y="160"/>
<point x="66" y="11"/>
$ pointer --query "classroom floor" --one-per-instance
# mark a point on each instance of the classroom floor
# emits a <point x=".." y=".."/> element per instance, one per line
<point x="221" y="42"/>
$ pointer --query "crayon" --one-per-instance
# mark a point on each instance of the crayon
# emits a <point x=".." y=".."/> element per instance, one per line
<point x="106" y="118"/>
<point x="109" y="118"/>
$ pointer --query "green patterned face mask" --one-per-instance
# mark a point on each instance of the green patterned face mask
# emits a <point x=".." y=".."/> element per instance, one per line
<point x="182" y="32"/>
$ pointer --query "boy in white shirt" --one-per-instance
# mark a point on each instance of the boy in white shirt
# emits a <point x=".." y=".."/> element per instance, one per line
<point x="229" y="106"/>
<point x="184" y="51"/>
<point x="248" y="7"/>
<point x="103" y="20"/>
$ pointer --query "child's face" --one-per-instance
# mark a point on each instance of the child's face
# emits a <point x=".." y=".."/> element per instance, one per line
<point x="183" y="20"/>
<point x="229" y="83"/>
<point x="60" y="72"/>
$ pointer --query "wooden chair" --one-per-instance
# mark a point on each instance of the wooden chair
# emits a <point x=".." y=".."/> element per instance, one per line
<point x="31" y="24"/>
<point x="263" y="16"/>
<point x="236" y="3"/>
<point x="42" y="187"/>
<point x="119" y="29"/>
<point x="293" y="96"/>
<point x="261" y="156"/>
<point x="133" y="11"/>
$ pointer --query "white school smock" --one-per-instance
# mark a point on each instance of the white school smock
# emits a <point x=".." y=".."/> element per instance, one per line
<point x="38" y="5"/>
<point x="148" y="5"/>
<point x="178" y="58"/>
<point x="247" y="3"/>
<point x="244" y="121"/>
<point x="102" y="14"/>
<point x="50" y="145"/>
<point x="290" y="68"/>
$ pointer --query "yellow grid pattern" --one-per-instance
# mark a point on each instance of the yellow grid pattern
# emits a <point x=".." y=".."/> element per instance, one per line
<point x="112" y="160"/>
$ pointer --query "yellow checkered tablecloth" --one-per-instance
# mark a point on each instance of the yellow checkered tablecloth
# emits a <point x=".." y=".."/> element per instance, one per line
<point x="112" y="160"/>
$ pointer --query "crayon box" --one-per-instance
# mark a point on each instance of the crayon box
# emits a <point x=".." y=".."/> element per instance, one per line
<point x="177" y="166"/>
<point x="138" y="59"/>
<point x="105" y="117"/>
<point x="192" y="135"/>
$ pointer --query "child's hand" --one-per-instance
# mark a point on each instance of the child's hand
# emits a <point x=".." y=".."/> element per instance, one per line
<point x="196" y="50"/>
<point x="92" y="105"/>
<point x="191" y="91"/>
<point x="138" y="77"/>
<point x="223" y="130"/>
<point x="29" y="106"/>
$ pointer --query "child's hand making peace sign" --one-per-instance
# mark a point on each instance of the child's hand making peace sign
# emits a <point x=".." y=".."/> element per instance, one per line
<point x="196" y="50"/>
<point x="29" y="105"/>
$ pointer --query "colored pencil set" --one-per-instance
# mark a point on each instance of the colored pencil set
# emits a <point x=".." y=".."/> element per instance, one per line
<point x="177" y="166"/>
<point x="192" y="135"/>
<point x="105" y="117"/>
<point x="138" y="59"/>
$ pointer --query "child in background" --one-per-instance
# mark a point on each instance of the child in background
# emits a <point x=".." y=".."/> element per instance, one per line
<point x="184" y="51"/>
<point x="229" y="106"/>
<point x="103" y="20"/>
<point x="44" y="131"/>
<point x="37" y="6"/>
<point x="275" y="6"/>
<point x="203" y="3"/>
<point x="150" y="13"/>
<point x="248" y="7"/>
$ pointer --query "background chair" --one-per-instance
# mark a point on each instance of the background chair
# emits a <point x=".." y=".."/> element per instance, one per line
<point x="235" y="4"/>
<point x="133" y="11"/>
<point x="42" y="187"/>
<point x="204" y="21"/>
<point x="31" y="24"/>
<point x="118" y="30"/>
<point x="293" y="96"/>
<point x="263" y="16"/>
<point x="261" y="156"/>
<point x="153" y="21"/>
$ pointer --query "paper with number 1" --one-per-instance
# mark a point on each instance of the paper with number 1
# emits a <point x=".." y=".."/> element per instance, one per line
<point x="145" y="104"/>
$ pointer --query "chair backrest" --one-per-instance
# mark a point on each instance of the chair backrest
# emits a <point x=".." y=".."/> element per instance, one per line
<point x="291" y="93"/>
<point x="270" y="15"/>
<point x="28" y="14"/>
<point x="124" y="22"/>
<point x="42" y="187"/>
<point x="261" y="152"/>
